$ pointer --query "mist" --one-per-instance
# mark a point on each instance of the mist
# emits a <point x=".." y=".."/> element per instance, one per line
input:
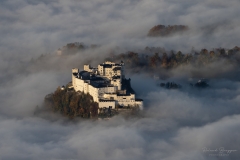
<point x="175" y="124"/>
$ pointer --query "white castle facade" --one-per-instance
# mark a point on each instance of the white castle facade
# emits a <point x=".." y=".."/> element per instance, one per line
<point x="106" y="84"/>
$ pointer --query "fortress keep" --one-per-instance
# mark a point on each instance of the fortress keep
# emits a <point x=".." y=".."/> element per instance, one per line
<point x="106" y="84"/>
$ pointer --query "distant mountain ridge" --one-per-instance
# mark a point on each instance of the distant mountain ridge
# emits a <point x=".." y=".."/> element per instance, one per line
<point x="162" y="30"/>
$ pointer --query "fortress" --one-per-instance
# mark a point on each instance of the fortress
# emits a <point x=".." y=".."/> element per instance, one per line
<point x="107" y="85"/>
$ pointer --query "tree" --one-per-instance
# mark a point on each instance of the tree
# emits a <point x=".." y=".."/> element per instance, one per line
<point x="72" y="104"/>
<point x="179" y="57"/>
<point x="164" y="61"/>
<point x="154" y="60"/>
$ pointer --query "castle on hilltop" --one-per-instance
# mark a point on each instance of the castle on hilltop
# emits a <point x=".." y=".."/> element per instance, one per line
<point x="107" y="85"/>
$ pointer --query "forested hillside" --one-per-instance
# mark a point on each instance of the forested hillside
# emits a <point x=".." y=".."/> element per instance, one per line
<point x="153" y="58"/>
<point x="72" y="104"/>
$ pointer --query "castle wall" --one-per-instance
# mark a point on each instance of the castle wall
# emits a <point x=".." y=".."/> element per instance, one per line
<point x="106" y="104"/>
<point x="86" y="67"/>
<point x="117" y="82"/>
<point x="73" y="81"/>
<point x="112" y="89"/>
<point x="124" y="100"/>
<point x="100" y="70"/>
<point x="108" y="72"/>
<point x="129" y="98"/>
<point x="119" y="72"/>
<point x="74" y="70"/>
<point x="79" y="85"/>
<point x="85" y="85"/>
<point x="94" y="92"/>
<point x="133" y="103"/>
<point x="110" y="96"/>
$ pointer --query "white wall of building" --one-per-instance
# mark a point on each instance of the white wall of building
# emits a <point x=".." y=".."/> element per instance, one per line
<point x="79" y="85"/>
<point x="86" y="67"/>
<point x="133" y="103"/>
<point x="112" y="89"/>
<point x="117" y="82"/>
<point x="107" y="104"/>
<point x="94" y="92"/>
<point x="100" y="70"/>
<point x="129" y="98"/>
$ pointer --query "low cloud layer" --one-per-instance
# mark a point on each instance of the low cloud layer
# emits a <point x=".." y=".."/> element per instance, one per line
<point x="39" y="26"/>
<point x="176" y="124"/>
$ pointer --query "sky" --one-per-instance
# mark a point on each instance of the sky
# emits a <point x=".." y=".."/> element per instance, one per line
<point x="175" y="124"/>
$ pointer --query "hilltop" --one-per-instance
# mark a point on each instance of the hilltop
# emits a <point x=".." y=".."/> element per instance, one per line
<point x="162" y="30"/>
